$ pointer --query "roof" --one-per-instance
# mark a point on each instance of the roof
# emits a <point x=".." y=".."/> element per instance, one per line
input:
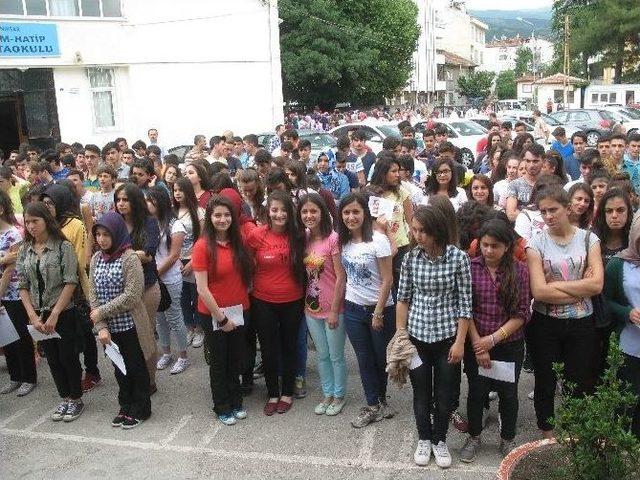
<point x="525" y="79"/>
<point x="453" y="59"/>
<point x="507" y="42"/>
<point x="558" y="79"/>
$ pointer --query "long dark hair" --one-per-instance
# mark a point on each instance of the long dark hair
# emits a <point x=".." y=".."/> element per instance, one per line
<point x="241" y="258"/>
<point x="600" y="227"/>
<point x="190" y="201"/>
<point x="432" y="219"/>
<point x="486" y="182"/>
<point x="500" y="173"/>
<point x="296" y="239"/>
<point x="344" y="235"/>
<point x="201" y="170"/>
<point x="509" y="289"/>
<point x="585" y="218"/>
<point x="164" y="211"/>
<point x="380" y="170"/>
<point x="40" y="210"/>
<point x="8" y="213"/>
<point x="325" y="216"/>
<point x="139" y="212"/>
<point x="299" y="169"/>
<point x="431" y="186"/>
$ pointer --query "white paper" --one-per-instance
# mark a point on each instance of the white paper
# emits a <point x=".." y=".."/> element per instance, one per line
<point x="503" y="371"/>
<point x="8" y="333"/>
<point x="113" y="352"/>
<point x="379" y="206"/>
<point x="416" y="361"/>
<point x="234" y="313"/>
<point x="39" y="336"/>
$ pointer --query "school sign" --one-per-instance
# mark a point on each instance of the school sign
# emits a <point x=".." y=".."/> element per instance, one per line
<point x="29" y="40"/>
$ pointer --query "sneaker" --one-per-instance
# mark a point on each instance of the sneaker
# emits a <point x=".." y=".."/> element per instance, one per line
<point x="468" y="451"/>
<point x="239" y="413"/>
<point x="90" y="381"/>
<point x="118" y="419"/>
<point x="336" y="407"/>
<point x="60" y="411"/>
<point x="227" y="419"/>
<point x="129" y="422"/>
<point x="198" y="340"/>
<point x="321" y="408"/>
<point x="180" y="365"/>
<point x="493" y="396"/>
<point x="26" y="389"/>
<point x="10" y="387"/>
<point x="531" y="395"/>
<point x="367" y="415"/>
<point x="164" y="361"/>
<point x="459" y="422"/>
<point x="300" y="388"/>
<point x="506" y="446"/>
<point x="442" y="455"/>
<point x="258" y="371"/>
<point x="74" y="410"/>
<point x="190" y="335"/>
<point x="387" y="410"/>
<point x="423" y="453"/>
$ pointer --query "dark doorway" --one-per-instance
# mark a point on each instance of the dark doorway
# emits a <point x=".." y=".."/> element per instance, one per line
<point x="12" y="131"/>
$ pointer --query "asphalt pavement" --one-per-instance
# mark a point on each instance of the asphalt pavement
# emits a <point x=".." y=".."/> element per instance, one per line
<point x="184" y="440"/>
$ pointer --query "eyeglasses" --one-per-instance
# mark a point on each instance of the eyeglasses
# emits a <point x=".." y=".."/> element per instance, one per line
<point x="443" y="172"/>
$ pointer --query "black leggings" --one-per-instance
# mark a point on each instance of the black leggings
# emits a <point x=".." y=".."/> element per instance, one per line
<point x="133" y="394"/>
<point x="21" y="362"/>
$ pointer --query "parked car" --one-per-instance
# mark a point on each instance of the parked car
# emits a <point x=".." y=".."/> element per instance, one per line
<point x="464" y="134"/>
<point x="594" y="122"/>
<point x="181" y="151"/>
<point x="629" y="117"/>
<point x="320" y="141"/>
<point x="376" y="133"/>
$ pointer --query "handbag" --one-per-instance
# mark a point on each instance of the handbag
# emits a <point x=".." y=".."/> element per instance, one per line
<point x="165" y="298"/>
<point x="601" y="317"/>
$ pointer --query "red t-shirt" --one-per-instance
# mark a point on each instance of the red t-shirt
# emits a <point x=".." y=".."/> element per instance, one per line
<point x="225" y="284"/>
<point x="273" y="280"/>
<point x="481" y="146"/>
<point x="204" y="199"/>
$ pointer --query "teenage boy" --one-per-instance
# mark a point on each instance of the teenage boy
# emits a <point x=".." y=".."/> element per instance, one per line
<point x="506" y="131"/>
<point x="143" y="174"/>
<point x="419" y="169"/>
<point x="128" y="156"/>
<point x="428" y="154"/>
<point x="140" y="148"/>
<point x="332" y="180"/>
<point x="111" y="156"/>
<point x="102" y="201"/>
<point x="360" y="151"/>
<point x="441" y="134"/>
<point x="587" y="159"/>
<point x="304" y="150"/>
<point x="341" y="166"/>
<point x="58" y="172"/>
<point x="572" y="162"/>
<point x="91" y="158"/>
<point x="407" y="178"/>
<point x="77" y="177"/>
<point x="519" y="191"/>
<point x="218" y="146"/>
<point x="563" y="146"/>
<point x="630" y="158"/>
<point x="250" y="143"/>
<point x="603" y="146"/>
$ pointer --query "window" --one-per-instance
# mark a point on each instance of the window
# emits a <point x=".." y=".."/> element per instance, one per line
<point x="502" y="57"/>
<point x="101" y="81"/>
<point x="594" y="98"/>
<point x="527" y="88"/>
<point x="603" y="97"/>
<point x="612" y="98"/>
<point x="579" y="117"/>
<point x="62" y="8"/>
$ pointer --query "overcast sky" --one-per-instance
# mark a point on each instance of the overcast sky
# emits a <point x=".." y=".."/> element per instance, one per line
<point x="504" y="5"/>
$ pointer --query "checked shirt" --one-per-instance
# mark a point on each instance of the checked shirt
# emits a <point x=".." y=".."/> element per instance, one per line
<point x="438" y="292"/>
<point x="109" y="284"/>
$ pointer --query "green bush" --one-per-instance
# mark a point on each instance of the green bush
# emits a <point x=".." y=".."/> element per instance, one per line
<point x="595" y="428"/>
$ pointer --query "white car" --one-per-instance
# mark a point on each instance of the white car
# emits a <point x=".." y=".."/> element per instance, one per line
<point x="376" y="133"/>
<point x="628" y="117"/>
<point x="464" y="134"/>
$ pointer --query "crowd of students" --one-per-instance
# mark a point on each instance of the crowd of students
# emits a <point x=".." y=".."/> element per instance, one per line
<point x="238" y="247"/>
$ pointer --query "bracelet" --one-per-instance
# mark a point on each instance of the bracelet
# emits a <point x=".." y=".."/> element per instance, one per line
<point x="493" y="340"/>
<point x="377" y="315"/>
<point x="504" y="333"/>
<point x="224" y="321"/>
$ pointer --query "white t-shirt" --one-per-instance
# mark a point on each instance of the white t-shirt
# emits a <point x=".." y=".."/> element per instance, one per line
<point x="500" y="193"/>
<point x="417" y="195"/>
<point x="457" y="201"/>
<point x="528" y="223"/>
<point x="420" y="171"/>
<point x="173" y="274"/>
<point x="361" y="265"/>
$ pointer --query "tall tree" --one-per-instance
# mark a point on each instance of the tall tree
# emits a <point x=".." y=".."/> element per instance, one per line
<point x="506" y="85"/>
<point x="357" y="51"/>
<point x="524" y="61"/>
<point x="476" y="86"/>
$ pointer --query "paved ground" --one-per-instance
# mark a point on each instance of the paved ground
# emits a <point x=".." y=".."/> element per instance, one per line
<point x="183" y="439"/>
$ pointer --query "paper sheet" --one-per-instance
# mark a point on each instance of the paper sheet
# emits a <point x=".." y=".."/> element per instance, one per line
<point x="8" y="332"/>
<point x="416" y="361"/>
<point x="39" y="336"/>
<point x="113" y="352"/>
<point x="379" y="206"/>
<point x="234" y="313"/>
<point x="503" y="371"/>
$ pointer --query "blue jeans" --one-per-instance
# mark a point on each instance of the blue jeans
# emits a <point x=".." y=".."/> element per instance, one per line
<point x="330" y="347"/>
<point x="370" y="347"/>
<point x="171" y="320"/>
<point x="189" y="305"/>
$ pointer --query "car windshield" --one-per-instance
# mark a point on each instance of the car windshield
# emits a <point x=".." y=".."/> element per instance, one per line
<point x="389" y="130"/>
<point x="319" y="140"/>
<point x="610" y="115"/>
<point x="549" y="120"/>
<point x="468" y="128"/>
<point x="629" y="112"/>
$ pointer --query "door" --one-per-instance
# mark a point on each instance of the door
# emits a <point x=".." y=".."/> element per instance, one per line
<point x="12" y="131"/>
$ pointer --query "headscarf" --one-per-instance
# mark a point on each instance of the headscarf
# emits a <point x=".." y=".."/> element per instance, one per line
<point x="120" y="239"/>
<point x="64" y="200"/>
<point x="632" y="252"/>
<point x="236" y="200"/>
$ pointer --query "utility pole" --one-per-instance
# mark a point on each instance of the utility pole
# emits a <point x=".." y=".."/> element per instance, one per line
<point x="567" y="61"/>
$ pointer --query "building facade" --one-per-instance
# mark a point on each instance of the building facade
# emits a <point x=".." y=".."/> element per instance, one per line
<point x="500" y="54"/>
<point x="91" y="71"/>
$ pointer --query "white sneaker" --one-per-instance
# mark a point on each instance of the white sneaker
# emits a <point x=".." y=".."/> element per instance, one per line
<point x="164" y="361"/>
<point x="442" y="455"/>
<point x="423" y="453"/>
<point x="180" y="365"/>
<point x="531" y="395"/>
<point x="198" y="340"/>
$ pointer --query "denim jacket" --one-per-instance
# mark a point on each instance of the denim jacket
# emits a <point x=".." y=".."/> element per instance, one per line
<point x="58" y="266"/>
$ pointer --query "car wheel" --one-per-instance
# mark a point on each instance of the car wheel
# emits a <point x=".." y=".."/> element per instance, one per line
<point x="592" y="138"/>
<point x="467" y="157"/>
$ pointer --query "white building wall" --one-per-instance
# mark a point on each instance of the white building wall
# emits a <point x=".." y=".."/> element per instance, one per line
<point x="201" y="68"/>
<point x="499" y="59"/>
<point x="546" y="92"/>
<point x="423" y="76"/>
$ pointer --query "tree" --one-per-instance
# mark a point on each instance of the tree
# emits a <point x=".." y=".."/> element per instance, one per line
<point x="524" y="62"/>
<point x="476" y="85"/>
<point x="506" y="85"/>
<point x="357" y="51"/>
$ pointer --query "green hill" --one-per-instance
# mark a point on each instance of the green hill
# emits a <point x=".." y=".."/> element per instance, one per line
<point x="505" y="23"/>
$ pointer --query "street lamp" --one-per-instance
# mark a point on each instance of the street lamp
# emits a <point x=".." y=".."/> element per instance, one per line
<point x="535" y="43"/>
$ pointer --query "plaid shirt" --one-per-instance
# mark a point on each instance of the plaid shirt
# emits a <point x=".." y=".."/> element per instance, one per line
<point x="488" y="313"/>
<point x="109" y="284"/>
<point x="438" y="292"/>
